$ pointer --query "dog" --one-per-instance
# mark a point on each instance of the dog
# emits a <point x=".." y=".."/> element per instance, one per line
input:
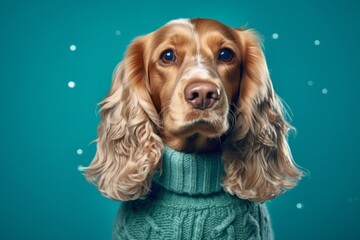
<point x="193" y="89"/>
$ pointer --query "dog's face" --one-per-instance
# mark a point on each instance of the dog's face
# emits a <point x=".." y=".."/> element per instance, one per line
<point x="196" y="86"/>
<point x="194" y="77"/>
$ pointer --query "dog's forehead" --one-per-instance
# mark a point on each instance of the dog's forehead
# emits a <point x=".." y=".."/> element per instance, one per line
<point x="204" y="24"/>
<point x="197" y="28"/>
<point x="195" y="40"/>
<point x="199" y="24"/>
<point x="180" y="21"/>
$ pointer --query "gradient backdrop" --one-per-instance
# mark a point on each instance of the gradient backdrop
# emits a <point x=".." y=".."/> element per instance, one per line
<point x="313" y="52"/>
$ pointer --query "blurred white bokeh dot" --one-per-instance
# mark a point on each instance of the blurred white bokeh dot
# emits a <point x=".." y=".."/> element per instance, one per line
<point x="71" y="84"/>
<point x="81" y="168"/>
<point x="72" y="47"/>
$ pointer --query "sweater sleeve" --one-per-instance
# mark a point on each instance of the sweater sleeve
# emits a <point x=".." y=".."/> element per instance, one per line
<point x="117" y="232"/>
<point x="266" y="231"/>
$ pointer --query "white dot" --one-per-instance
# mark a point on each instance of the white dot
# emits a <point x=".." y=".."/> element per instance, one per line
<point x="117" y="33"/>
<point x="317" y="42"/>
<point x="79" y="151"/>
<point x="72" y="47"/>
<point x="310" y="83"/>
<point x="71" y="84"/>
<point x="275" y="36"/>
<point x="299" y="205"/>
<point x="81" y="168"/>
<point x="324" y="91"/>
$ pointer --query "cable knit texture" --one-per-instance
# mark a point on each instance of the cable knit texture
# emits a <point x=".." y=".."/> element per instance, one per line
<point x="188" y="202"/>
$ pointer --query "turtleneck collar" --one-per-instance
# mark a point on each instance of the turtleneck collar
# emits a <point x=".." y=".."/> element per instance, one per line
<point x="190" y="173"/>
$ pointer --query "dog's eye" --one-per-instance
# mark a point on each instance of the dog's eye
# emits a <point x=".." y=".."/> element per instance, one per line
<point x="168" y="57"/>
<point x="226" y="55"/>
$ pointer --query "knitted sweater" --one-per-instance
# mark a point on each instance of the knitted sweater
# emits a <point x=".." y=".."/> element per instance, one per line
<point x="188" y="202"/>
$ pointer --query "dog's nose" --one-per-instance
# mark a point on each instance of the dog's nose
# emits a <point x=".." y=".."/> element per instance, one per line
<point x="202" y="95"/>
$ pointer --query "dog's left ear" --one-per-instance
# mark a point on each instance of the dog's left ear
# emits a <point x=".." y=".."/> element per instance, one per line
<point x="257" y="158"/>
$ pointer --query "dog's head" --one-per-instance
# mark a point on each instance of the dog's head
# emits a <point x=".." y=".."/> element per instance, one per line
<point x="196" y="86"/>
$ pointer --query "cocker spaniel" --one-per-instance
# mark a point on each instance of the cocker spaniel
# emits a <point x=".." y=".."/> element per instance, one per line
<point x="195" y="86"/>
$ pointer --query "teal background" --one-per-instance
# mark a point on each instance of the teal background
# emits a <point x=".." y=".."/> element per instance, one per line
<point x="44" y="122"/>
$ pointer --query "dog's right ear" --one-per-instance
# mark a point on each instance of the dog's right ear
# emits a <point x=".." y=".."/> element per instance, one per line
<point x="128" y="146"/>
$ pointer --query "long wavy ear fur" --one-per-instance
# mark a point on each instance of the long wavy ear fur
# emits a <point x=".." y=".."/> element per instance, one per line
<point x="128" y="146"/>
<point x="257" y="158"/>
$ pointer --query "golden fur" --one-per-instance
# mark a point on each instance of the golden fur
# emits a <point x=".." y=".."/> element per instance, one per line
<point x="145" y="110"/>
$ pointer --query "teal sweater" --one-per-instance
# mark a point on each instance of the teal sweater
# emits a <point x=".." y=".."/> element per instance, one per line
<point x="188" y="202"/>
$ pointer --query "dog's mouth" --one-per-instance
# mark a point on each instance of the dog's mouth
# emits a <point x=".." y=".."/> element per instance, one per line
<point x="202" y="116"/>
<point x="205" y="123"/>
